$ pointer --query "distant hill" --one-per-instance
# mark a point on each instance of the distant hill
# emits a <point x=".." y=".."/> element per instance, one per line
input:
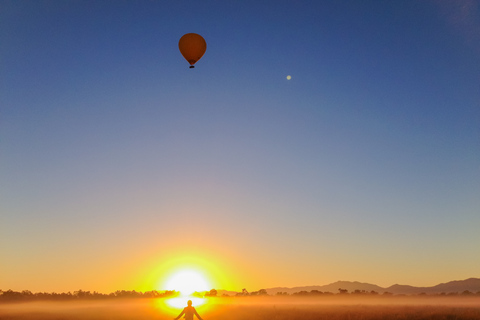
<point x="472" y="285"/>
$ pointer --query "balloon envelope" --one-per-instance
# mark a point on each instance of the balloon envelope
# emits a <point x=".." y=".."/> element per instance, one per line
<point x="192" y="46"/>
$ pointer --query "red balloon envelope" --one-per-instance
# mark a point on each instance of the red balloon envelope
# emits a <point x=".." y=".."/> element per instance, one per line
<point x="192" y="46"/>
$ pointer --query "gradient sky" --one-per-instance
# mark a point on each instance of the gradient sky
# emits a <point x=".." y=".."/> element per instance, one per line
<point x="118" y="163"/>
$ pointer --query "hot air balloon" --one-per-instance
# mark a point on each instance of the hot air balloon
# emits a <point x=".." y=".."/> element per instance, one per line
<point x="192" y="46"/>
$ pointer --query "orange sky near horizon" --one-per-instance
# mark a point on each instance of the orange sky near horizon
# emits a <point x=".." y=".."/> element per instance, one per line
<point x="150" y="268"/>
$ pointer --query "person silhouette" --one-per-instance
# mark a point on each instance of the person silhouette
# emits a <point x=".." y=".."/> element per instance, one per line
<point x="189" y="311"/>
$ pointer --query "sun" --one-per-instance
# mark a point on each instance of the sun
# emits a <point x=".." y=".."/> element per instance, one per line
<point x="187" y="282"/>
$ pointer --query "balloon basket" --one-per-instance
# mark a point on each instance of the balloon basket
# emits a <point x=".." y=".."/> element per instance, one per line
<point x="191" y="67"/>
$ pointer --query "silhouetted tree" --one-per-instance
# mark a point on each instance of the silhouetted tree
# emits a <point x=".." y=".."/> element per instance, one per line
<point x="170" y="293"/>
<point x="211" y="293"/>
<point x="243" y="293"/>
<point x="11" y="295"/>
<point x="27" y="294"/>
<point x="316" y="292"/>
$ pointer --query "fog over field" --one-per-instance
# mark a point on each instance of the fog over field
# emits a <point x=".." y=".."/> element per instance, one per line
<point x="255" y="308"/>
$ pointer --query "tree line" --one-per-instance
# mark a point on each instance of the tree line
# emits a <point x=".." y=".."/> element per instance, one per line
<point x="343" y="292"/>
<point x="26" y="295"/>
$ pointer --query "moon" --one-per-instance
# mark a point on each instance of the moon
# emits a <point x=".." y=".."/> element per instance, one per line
<point x="289" y="77"/>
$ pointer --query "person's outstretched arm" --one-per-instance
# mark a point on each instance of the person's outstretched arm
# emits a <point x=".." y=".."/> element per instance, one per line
<point x="196" y="313"/>
<point x="181" y="314"/>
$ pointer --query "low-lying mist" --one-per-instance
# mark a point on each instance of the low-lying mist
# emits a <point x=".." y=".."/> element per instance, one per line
<point x="254" y="308"/>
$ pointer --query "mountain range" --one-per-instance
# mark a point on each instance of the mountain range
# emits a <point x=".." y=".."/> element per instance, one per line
<point x="472" y="285"/>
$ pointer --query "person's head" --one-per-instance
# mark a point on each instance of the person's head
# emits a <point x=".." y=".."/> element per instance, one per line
<point x="189" y="302"/>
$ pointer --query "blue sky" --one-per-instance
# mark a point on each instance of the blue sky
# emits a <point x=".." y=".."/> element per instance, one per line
<point x="364" y="166"/>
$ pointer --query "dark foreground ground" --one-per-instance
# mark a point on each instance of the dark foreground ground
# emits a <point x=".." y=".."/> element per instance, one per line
<point x="252" y="309"/>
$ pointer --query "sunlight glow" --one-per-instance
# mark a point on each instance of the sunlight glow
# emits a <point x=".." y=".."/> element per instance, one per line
<point x="187" y="282"/>
<point x="174" y="306"/>
<point x="181" y="302"/>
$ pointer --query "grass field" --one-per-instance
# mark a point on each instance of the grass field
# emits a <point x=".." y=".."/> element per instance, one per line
<point x="252" y="309"/>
